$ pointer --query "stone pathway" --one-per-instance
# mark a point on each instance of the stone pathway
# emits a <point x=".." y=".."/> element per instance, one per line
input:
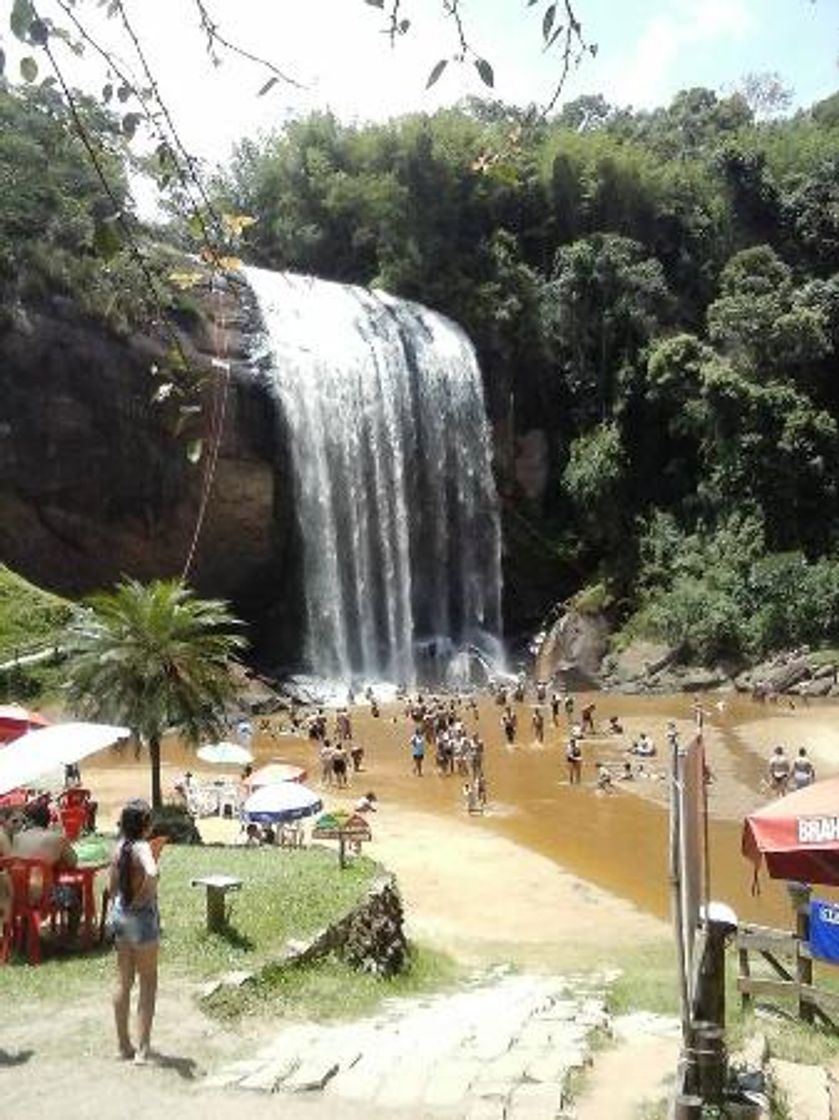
<point x="503" y="1049"/>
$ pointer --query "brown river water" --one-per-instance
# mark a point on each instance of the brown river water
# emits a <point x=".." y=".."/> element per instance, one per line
<point x="618" y="840"/>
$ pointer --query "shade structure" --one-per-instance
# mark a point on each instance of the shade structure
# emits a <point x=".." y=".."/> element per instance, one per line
<point x="286" y="801"/>
<point x="39" y="752"/>
<point x="225" y="754"/>
<point x="16" y="721"/>
<point x="274" y="773"/>
<point x="797" y="835"/>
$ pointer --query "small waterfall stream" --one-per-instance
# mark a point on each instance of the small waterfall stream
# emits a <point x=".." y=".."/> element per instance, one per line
<point x="394" y="491"/>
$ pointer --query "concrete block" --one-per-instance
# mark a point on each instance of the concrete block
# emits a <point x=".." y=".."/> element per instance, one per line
<point x="232" y="1074"/>
<point x="449" y="1082"/>
<point x="534" y="1102"/>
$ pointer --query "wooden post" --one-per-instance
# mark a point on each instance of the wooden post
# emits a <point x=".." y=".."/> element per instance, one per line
<point x="215" y="909"/>
<point x="709" y="1043"/>
<point x="687" y="1107"/>
<point x="803" y="965"/>
<point x="709" y="1003"/>
<point x="745" y="973"/>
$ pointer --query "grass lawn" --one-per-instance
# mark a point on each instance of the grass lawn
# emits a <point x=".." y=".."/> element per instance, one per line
<point x="285" y="894"/>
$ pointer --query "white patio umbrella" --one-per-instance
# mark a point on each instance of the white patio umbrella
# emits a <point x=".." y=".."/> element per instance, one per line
<point x="39" y="752"/>
<point x="225" y="754"/>
<point x="274" y="773"/>
<point x="286" y="801"/>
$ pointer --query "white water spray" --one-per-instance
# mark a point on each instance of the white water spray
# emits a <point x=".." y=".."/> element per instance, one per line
<point x="394" y="490"/>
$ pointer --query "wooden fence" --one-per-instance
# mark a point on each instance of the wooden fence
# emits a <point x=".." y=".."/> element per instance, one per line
<point x="790" y="971"/>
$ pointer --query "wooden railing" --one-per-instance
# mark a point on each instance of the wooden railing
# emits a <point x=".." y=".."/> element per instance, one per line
<point x="790" y="971"/>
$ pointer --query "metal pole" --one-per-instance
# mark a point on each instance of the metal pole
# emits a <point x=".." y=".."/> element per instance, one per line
<point x="676" y="904"/>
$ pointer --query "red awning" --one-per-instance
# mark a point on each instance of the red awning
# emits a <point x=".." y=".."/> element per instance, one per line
<point x="16" y="721"/>
<point x="797" y="835"/>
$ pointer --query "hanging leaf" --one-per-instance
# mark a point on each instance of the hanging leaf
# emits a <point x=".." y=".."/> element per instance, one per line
<point x="106" y="239"/>
<point x="39" y="33"/>
<point x="272" y="81"/>
<point x="404" y="26"/>
<point x="129" y="124"/>
<point x="557" y="32"/>
<point x="23" y="13"/>
<point x="194" y="450"/>
<point x="485" y="71"/>
<point x="195" y="224"/>
<point x="436" y="72"/>
<point x="163" y="392"/>
<point x="28" y="69"/>
<point x="107" y="92"/>
<point x="185" y="280"/>
<point x="376" y="3"/>
<point x="124" y="92"/>
<point x="235" y="224"/>
<point x="186" y="413"/>
<point x="548" y="21"/>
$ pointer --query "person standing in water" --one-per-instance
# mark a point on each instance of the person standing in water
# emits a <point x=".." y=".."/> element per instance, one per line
<point x="136" y="924"/>
<point x="803" y="771"/>
<point x="779" y="771"/>
<point x="538" y="721"/>
<point x="417" y="751"/>
<point x="574" y="758"/>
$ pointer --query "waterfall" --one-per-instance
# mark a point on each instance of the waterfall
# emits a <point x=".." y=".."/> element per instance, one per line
<point x="394" y="491"/>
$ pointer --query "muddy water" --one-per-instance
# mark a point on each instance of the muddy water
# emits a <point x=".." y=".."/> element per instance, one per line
<point x="619" y="840"/>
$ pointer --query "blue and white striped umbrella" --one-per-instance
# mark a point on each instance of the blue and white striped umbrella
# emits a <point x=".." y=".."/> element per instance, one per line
<point x="285" y="801"/>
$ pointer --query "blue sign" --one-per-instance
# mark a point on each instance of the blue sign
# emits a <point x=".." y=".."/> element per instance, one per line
<point x="824" y="929"/>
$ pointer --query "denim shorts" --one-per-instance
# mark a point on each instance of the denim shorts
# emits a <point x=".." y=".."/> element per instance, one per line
<point x="140" y="926"/>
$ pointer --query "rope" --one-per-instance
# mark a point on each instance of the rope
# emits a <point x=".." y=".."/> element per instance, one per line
<point x="217" y="421"/>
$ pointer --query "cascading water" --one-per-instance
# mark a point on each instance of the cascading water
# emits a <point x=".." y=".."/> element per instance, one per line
<point x="394" y="490"/>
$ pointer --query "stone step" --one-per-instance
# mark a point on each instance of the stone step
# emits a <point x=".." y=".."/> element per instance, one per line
<point x="499" y="1051"/>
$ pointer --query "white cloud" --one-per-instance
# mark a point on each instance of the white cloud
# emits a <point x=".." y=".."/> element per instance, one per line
<point x="646" y="77"/>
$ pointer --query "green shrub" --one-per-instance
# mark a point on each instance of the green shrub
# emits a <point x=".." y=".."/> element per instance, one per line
<point x="175" y="822"/>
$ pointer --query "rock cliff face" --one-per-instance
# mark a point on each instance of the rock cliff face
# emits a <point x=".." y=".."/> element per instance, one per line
<point x="94" y="484"/>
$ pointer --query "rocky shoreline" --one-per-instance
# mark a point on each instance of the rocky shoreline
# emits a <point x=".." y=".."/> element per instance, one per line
<point x="574" y="651"/>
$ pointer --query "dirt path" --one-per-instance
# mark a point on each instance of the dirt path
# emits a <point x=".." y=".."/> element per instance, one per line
<point x="624" y="1079"/>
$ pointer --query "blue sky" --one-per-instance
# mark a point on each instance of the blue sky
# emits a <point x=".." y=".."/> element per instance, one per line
<point x="648" y="49"/>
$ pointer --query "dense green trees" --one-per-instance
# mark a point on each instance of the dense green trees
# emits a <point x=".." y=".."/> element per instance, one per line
<point x="58" y="231"/>
<point x="658" y="290"/>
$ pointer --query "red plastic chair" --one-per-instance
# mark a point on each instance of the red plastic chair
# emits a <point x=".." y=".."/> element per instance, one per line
<point x="32" y="887"/>
<point x="73" y="819"/>
<point x="73" y="797"/>
<point x="5" y="916"/>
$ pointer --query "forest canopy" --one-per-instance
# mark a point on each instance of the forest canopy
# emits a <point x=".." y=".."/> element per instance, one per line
<point x="656" y="291"/>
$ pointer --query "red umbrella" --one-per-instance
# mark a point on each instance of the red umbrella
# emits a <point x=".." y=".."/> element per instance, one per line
<point x="16" y="721"/>
<point x="797" y="835"/>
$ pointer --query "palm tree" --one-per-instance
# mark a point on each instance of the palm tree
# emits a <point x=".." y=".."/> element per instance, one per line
<point x="154" y="658"/>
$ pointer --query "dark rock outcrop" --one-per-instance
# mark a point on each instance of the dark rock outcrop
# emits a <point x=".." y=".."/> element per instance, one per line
<point x="95" y="483"/>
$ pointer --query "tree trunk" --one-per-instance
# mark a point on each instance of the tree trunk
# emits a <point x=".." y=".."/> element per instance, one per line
<point x="154" y="754"/>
